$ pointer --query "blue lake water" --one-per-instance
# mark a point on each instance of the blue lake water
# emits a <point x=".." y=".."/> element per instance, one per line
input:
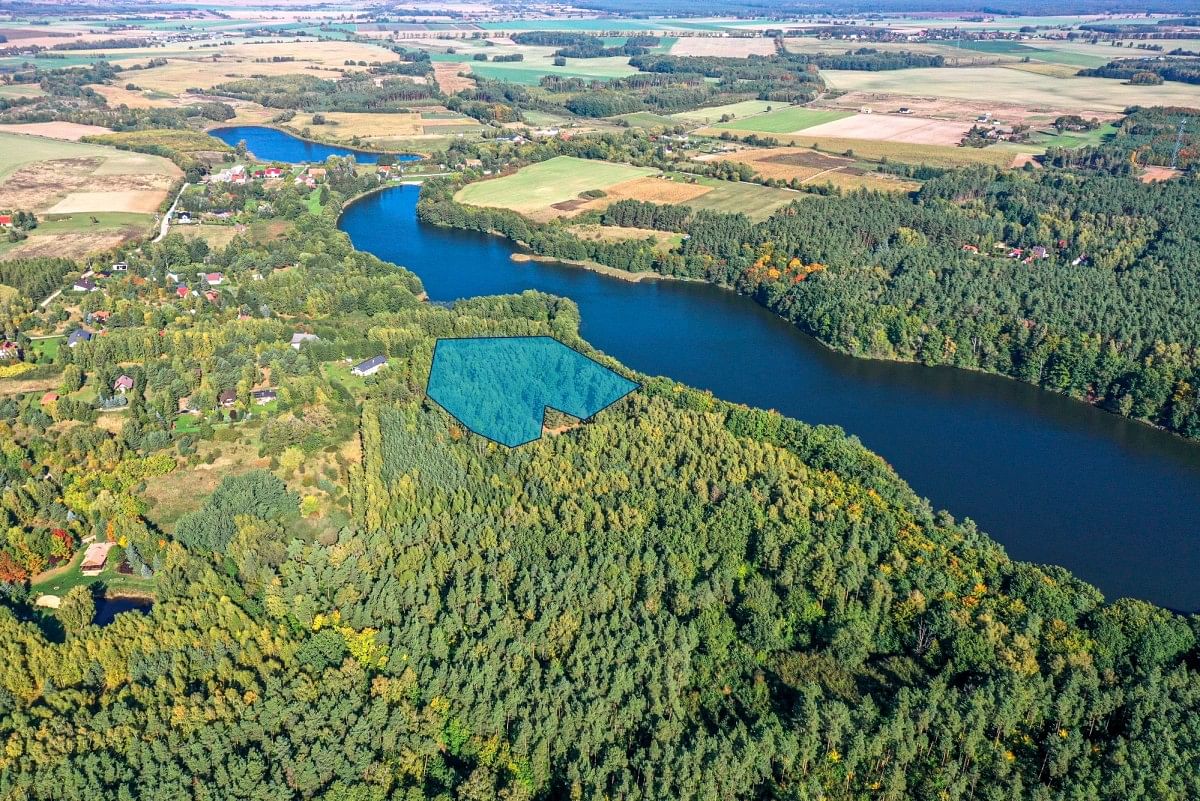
<point x="1054" y="480"/>
<point x="270" y="144"/>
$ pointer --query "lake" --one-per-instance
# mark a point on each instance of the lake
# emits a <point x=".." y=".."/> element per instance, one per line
<point x="1054" y="480"/>
<point x="270" y="144"/>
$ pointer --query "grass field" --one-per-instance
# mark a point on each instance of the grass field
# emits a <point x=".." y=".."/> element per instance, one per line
<point x="536" y="188"/>
<point x="785" y="120"/>
<point x="755" y="201"/>
<point x="712" y="114"/>
<point x="1086" y="96"/>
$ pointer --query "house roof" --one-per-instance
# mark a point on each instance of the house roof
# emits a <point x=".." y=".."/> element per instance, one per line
<point x="374" y="361"/>
<point x="300" y="336"/>
<point x="86" y="283"/>
<point x="50" y="397"/>
<point x="96" y="555"/>
<point x="79" y="335"/>
<point x="264" y="393"/>
<point x="123" y="382"/>
<point x="227" y="396"/>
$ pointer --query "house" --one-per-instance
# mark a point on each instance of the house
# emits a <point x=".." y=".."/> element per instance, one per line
<point x="123" y="384"/>
<point x="237" y="175"/>
<point x="6" y="220"/>
<point x="370" y="366"/>
<point x="273" y="172"/>
<point x="1016" y="253"/>
<point x="185" y="406"/>
<point x="120" y="267"/>
<point x="264" y="396"/>
<point x="260" y="174"/>
<point x="1078" y="260"/>
<point x="300" y="338"/>
<point x="183" y="217"/>
<point x="85" y="285"/>
<point x="173" y="278"/>
<point x="214" y="279"/>
<point x="316" y="173"/>
<point x="9" y="351"/>
<point x="95" y="558"/>
<point x="904" y="110"/>
<point x="98" y="316"/>
<point x="211" y="295"/>
<point x="182" y="291"/>
<point x="1039" y="252"/>
<point x="77" y="336"/>
<point x="49" y="397"/>
<point x="970" y="249"/>
<point x="227" y="398"/>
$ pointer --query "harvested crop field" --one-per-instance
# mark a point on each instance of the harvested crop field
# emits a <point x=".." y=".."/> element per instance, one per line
<point x="385" y="126"/>
<point x="67" y="131"/>
<point x="809" y="166"/>
<point x="723" y="46"/>
<point x="446" y="73"/>
<point x="893" y="128"/>
<point x="656" y="190"/>
<point x="1086" y="96"/>
<point x="143" y="201"/>
<point x="904" y="152"/>
<point x="69" y="246"/>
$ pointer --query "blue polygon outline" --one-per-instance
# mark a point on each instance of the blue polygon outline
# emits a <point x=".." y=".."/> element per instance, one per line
<point x="433" y="362"/>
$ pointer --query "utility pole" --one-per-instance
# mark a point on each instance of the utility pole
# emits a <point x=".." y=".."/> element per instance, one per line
<point x="1178" y="143"/>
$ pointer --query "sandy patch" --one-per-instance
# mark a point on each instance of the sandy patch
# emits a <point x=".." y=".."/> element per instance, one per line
<point x="893" y="128"/>
<point x="723" y="46"/>
<point x="144" y="201"/>
<point x="69" y="131"/>
<point x="1153" y="175"/>
<point x="1021" y="159"/>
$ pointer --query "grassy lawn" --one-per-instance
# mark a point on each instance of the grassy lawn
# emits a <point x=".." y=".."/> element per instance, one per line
<point x="1072" y="139"/>
<point x="63" y="582"/>
<point x="541" y="185"/>
<point x="46" y="349"/>
<point x="785" y="120"/>
<point x="646" y="119"/>
<point x="339" y="372"/>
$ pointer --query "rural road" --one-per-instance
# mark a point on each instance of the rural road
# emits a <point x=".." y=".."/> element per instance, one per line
<point x="165" y="225"/>
<point x="53" y="295"/>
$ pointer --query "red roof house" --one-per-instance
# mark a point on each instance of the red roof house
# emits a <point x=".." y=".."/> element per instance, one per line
<point x="5" y="219"/>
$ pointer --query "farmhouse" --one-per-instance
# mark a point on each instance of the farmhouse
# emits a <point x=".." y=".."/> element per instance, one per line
<point x="77" y="336"/>
<point x="264" y="396"/>
<point x="227" y="398"/>
<point x="85" y="285"/>
<point x="95" y="558"/>
<point x="214" y="279"/>
<point x="299" y="338"/>
<point x="9" y="351"/>
<point x="123" y="384"/>
<point x="370" y="366"/>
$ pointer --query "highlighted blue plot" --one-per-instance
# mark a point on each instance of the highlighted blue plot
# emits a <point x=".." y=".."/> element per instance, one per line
<point x="500" y="387"/>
